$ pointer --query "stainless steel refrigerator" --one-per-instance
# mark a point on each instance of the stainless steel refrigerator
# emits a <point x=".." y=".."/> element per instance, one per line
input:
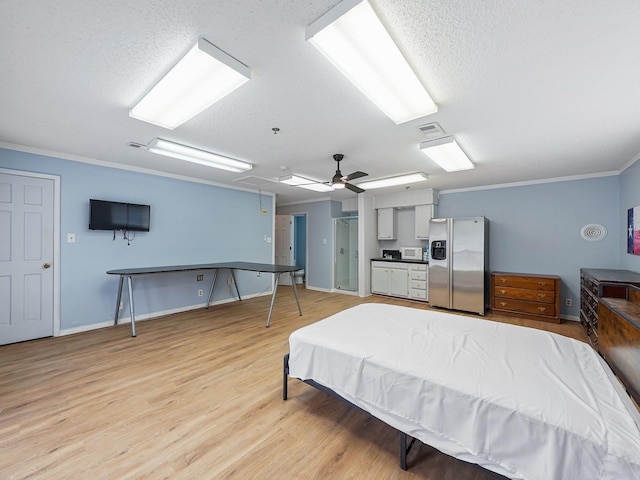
<point x="459" y="263"/>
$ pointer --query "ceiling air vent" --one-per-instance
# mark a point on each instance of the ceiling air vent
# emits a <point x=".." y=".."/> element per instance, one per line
<point x="432" y="130"/>
<point x="593" y="232"/>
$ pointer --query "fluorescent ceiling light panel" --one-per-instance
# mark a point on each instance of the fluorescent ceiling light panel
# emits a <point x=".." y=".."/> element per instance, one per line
<point x="195" y="155"/>
<point x="446" y="153"/>
<point x="395" y="181"/>
<point x="298" y="181"/>
<point x="352" y="37"/>
<point x="203" y="76"/>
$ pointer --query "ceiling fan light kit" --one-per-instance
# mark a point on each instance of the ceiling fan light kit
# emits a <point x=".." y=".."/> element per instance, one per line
<point x="447" y="154"/>
<point x="342" y="181"/>
<point x="354" y="40"/>
<point x="202" y="77"/>
<point x="196" y="155"/>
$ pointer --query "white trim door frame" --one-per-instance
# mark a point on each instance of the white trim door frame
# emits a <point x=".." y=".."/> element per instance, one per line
<point x="55" y="299"/>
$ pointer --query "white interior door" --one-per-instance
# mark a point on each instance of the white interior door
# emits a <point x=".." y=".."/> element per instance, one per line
<point x="26" y="258"/>
<point x="284" y="244"/>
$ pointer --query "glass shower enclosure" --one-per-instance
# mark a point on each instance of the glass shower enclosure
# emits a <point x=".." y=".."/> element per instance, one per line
<point x="345" y="269"/>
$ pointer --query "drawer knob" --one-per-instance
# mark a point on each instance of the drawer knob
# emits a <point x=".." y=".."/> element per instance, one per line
<point x="542" y="309"/>
<point x="503" y="304"/>
<point x="542" y="282"/>
<point x="542" y="295"/>
<point x="503" y="291"/>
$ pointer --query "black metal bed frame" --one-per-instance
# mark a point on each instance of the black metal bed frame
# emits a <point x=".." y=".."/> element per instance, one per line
<point x="404" y="447"/>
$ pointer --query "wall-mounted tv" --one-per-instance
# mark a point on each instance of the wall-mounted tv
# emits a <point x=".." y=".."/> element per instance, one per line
<point x="105" y="215"/>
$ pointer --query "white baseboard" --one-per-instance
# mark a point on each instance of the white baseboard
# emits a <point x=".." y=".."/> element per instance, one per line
<point x="152" y="315"/>
<point x="318" y="289"/>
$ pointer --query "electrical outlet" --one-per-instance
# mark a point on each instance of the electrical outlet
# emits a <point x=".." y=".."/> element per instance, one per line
<point x="568" y="302"/>
<point x="229" y="280"/>
<point x="199" y="278"/>
<point x="200" y="292"/>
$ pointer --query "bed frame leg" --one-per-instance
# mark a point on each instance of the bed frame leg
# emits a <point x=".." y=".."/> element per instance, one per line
<point x="285" y="376"/>
<point x="404" y="449"/>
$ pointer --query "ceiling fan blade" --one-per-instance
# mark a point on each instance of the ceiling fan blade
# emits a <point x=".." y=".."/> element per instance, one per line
<point x="353" y="188"/>
<point x="354" y="175"/>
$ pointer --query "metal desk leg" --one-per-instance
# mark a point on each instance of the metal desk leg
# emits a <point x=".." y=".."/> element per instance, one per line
<point x="131" y="309"/>
<point x="236" y="284"/>
<point x="273" y="296"/>
<point x="117" y="315"/>
<point x="213" y="284"/>
<point x="295" y="292"/>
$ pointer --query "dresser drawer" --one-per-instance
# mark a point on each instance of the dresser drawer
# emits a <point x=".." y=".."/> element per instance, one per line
<point x="531" y="282"/>
<point x="542" y="296"/>
<point x="535" y="308"/>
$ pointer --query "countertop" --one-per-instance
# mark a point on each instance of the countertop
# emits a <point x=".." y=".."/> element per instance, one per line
<point x="398" y="260"/>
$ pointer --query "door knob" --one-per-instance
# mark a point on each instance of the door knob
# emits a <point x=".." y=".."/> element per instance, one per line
<point x="46" y="265"/>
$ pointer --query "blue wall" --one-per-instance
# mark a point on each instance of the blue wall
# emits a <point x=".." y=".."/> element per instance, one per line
<point x="320" y="230"/>
<point x="536" y="228"/>
<point x="629" y="198"/>
<point x="190" y="223"/>
<point x="300" y="245"/>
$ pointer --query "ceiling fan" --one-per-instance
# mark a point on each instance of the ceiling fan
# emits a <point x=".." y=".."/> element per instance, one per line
<point x="342" y="181"/>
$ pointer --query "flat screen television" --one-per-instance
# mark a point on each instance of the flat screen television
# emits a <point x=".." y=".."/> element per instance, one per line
<point x="106" y="215"/>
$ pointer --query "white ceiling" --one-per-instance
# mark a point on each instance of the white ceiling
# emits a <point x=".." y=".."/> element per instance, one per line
<point x="531" y="89"/>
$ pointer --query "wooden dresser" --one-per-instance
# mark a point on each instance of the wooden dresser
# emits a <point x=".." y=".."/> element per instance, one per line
<point x="526" y="295"/>
<point x="601" y="282"/>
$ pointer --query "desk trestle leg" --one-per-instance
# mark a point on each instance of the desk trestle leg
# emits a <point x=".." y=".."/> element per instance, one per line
<point x="131" y="308"/>
<point x="295" y="292"/>
<point x="118" y="300"/>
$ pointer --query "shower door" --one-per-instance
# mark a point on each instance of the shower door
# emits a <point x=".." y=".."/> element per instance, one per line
<point x="345" y="271"/>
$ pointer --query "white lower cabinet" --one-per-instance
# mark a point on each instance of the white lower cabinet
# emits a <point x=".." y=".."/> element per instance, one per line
<point x="399" y="279"/>
<point x="418" y="277"/>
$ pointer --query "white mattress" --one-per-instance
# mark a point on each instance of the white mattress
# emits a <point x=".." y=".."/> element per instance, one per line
<point x="521" y="402"/>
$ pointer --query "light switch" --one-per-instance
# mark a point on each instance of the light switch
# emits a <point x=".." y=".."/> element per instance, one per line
<point x="71" y="238"/>
<point x="324" y="241"/>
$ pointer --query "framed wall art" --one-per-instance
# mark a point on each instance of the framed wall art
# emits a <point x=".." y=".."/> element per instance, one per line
<point x="633" y="230"/>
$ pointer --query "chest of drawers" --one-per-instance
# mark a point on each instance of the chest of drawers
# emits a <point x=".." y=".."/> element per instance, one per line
<point x="526" y="295"/>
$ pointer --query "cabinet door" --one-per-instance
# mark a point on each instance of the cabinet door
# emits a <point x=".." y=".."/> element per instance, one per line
<point x="424" y="213"/>
<point x="380" y="280"/>
<point x="386" y="224"/>
<point x="399" y="282"/>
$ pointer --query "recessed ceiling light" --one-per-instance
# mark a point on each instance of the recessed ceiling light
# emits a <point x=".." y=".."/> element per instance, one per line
<point x="203" y="76"/>
<point x="196" y="155"/>
<point x="352" y="37"/>
<point x="302" y="182"/>
<point x="446" y="153"/>
<point x="394" y="181"/>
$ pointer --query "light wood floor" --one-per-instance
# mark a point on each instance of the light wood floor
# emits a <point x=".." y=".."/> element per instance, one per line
<point x="197" y="395"/>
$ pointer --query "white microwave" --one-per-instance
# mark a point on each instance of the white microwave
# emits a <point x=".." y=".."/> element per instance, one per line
<point x="412" y="253"/>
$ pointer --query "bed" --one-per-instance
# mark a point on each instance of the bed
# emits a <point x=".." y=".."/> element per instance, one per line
<point x="521" y="402"/>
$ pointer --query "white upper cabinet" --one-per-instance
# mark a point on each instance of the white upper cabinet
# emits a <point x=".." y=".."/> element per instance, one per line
<point x="424" y="213"/>
<point x="386" y="224"/>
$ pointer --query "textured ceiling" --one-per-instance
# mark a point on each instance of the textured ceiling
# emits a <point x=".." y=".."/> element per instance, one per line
<point x="531" y="89"/>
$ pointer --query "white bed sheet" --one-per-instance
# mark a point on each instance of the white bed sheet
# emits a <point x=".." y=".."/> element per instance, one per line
<point x="521" y="402"/>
